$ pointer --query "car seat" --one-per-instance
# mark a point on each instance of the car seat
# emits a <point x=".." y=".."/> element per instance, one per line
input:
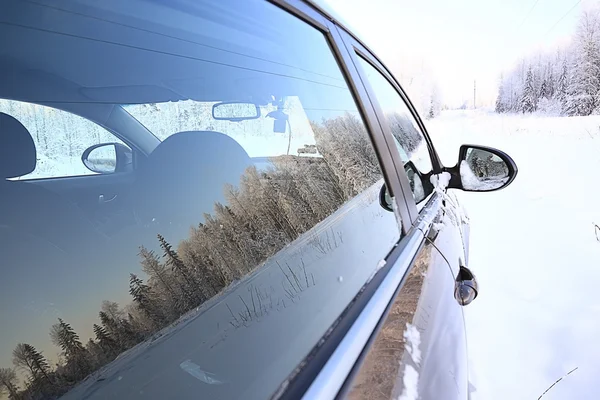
<point x="30" y="208"/>
<point x="184" y="177"/>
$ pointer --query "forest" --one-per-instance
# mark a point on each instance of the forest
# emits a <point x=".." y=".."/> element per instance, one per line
<point x="565" y="82"/>
<point x="267" y="211"/>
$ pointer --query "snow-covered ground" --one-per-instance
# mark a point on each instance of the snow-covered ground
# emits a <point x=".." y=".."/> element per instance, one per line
<point x="535" y="254"/>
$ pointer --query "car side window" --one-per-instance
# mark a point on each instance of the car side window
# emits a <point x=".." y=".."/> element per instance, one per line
<point x="410" y="141"/>
<point x="61" y="139"/>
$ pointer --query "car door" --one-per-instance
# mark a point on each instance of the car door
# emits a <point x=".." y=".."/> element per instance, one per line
<point x="419" y="349"/>
<point x="237" y="275"/>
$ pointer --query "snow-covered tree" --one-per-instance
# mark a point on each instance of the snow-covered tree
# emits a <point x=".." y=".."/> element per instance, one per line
<point x="145" y="300"/>
<point x="8" y="383"/>
<point x="584" y="86"/>
<point x="32" y="362"/>
<point x="528" y="98"/>
<point x="500" y="101"/>
<point x="569" y="78"/>
<point x="561" y="93"/>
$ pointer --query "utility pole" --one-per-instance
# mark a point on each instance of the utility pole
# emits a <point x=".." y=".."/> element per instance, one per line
<point x="474" y="93"/>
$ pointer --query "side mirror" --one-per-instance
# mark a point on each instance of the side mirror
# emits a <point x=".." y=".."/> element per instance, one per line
<point x="482" y="169"/>
<point x="466" y="288"/>
<point x="108" y="158"/>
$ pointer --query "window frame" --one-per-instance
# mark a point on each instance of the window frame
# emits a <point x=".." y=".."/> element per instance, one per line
<point x="358" y="49"/>
<point x="315" y="18"/>
<point x="350" y="333"/>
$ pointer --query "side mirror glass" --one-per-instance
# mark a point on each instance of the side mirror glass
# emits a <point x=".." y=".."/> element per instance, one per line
<point x="235" y="111"/>
<point x="483" y="169"/>
<point x="108" y="158"/>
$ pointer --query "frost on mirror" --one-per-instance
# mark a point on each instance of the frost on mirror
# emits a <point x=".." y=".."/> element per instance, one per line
<point x="482" y="170"/>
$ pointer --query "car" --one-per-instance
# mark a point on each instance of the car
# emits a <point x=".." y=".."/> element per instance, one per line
<point x="223" y="200"/>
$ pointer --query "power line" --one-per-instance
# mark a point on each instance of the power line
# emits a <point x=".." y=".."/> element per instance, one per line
<point x="527" y="15"/>
<point x="563" y="17"/>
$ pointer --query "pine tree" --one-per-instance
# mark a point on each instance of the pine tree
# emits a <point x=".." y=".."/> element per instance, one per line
<point x="8" y="383"/>
<point x="584" y="86"/>
<point x="562" y="86"/>
<point x="120" y="329"/>
<point x="142" y="296"/>
<point x="544" y="90"/>
<point x="63" y="335"/>
<point x="30" y="360"/>
<point x="528" y="102"/>
<point x="500" y="106"/>
<point x="189" y="286"/>
<point x="96" y="353"/>
<point x="550" y="84"/>
<point x="78" y="359"/>
<point x="162" y="282"/>
<point x="105" y="341"/>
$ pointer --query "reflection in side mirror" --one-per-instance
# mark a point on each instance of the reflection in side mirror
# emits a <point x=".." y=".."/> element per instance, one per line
<point x="483" y="169"/>
<point x="107" y="158"/>
<point x="235" y="111"/>
<point x="385" y="200"/>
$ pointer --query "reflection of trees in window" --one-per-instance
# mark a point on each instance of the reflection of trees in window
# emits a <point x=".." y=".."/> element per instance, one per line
<point x="267" y="211"/>
<point x="405" y="132"/>
<point x="31" y="361"/>
<point x="8" y="383"/>
<point x="78" y="360"/>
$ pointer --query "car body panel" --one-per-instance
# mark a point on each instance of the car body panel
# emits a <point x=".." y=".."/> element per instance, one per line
<point x="419" y="347"/>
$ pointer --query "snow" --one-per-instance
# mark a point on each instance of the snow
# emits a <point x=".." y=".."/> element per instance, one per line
<point x="472" y="182"/>
<point x="534" y="252"/>
<point x="194" y="370"/>
<point x="440" y="181"/>
<point x="411" y="384"/>
<point x="413" y="340"/>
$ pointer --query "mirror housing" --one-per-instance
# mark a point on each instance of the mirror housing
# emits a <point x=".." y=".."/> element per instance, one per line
<point x="235" y="111"/>
<point x="466" y="288"/>
<point x="482" y="169"/>
<point x="108" y="158"/>
<point x="385" y="200"/>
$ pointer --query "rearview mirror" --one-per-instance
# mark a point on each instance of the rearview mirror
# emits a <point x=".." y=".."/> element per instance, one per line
<point x="235" y="111"/>
<point x="108" y="158"/>
<point x="482" y="169"/>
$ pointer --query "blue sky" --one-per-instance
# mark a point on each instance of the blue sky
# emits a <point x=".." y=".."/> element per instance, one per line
<point x="460" y="41"/>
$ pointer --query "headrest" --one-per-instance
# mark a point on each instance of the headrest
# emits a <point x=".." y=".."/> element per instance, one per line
<point x="186" y="175"/>
<point x="17" y="150"/>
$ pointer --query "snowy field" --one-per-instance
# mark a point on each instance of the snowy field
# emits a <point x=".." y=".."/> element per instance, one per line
<point x="535" y="254"/>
